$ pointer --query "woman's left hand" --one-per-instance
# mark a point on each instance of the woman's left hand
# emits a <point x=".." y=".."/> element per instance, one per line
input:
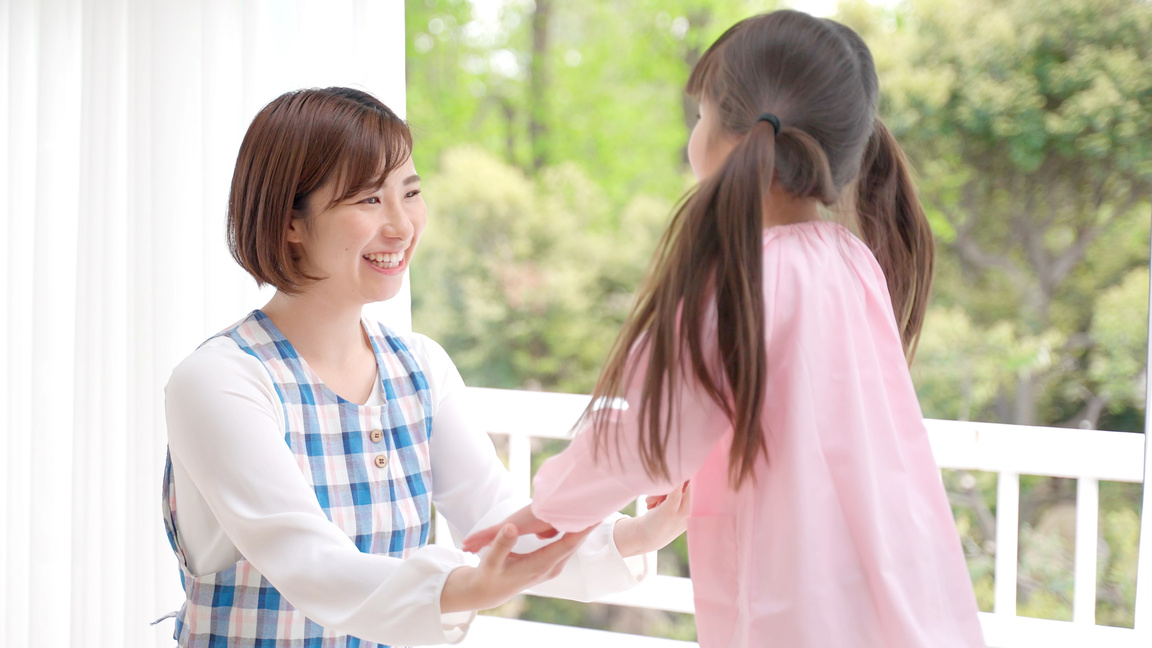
<point x="525" y="522"/>
<point x="665" y="520"/>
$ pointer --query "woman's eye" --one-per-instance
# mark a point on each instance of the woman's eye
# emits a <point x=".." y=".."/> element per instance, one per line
<point x="371" y="200"/>
<point x="412" y="194"/>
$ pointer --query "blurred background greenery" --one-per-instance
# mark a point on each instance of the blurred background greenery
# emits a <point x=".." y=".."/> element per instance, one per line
<point x="551" y="136"/>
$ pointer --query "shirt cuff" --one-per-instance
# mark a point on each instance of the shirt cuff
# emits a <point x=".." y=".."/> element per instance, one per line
<point x="454" y="624"/>
<point x="439" y="627"/>
<point x="597" y="569"/>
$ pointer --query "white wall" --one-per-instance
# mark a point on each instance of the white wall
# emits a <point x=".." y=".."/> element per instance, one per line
<point x="119" y="124"/>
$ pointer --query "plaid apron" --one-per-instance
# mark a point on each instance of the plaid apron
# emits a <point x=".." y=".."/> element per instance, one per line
<point x="369" y="466"/>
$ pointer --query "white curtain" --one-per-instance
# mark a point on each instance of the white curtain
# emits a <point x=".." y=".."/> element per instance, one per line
<point x="119" y="124"/>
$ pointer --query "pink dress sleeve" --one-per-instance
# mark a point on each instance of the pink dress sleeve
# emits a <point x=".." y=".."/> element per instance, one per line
<point x="576" y="489"/>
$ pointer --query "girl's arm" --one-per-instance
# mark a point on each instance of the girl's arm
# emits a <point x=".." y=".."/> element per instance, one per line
<point x="473" y="490"/>
<point x="579" y="485"/>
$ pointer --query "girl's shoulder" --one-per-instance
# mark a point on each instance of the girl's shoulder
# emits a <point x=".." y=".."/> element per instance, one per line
<point x="810" y="232"/>
<point x="819" y="252"/>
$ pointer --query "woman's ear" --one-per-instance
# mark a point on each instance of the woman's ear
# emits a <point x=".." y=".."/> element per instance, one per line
<point x="295" y="229"/>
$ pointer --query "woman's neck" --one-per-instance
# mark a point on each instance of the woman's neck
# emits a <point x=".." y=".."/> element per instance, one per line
<point x="323" y="331"/>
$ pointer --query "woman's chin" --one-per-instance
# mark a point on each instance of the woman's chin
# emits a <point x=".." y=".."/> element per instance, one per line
<point x="381" y="295"/>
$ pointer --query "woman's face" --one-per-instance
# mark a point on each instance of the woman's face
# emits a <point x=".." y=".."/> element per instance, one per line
<point x="708" y="146"/>
<point x="361" y="246"/>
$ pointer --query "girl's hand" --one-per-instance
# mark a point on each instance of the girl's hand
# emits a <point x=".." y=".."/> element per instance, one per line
<point x="525" y="523"/>
<point x="665" y="520"/>
<point x="503" y="574"/>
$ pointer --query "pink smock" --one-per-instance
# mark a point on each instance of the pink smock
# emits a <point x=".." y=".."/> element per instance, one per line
<point x="845" y="538"/>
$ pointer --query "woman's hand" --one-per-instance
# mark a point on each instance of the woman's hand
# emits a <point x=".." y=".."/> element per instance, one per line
<point x="503" y="574"/>
<point x="666" y="519"/>
<point x="525" y="523"/>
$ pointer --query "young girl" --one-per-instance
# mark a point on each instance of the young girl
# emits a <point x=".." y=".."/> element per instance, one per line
<point x="307" y="444"/>
<point x="766" y="360"/>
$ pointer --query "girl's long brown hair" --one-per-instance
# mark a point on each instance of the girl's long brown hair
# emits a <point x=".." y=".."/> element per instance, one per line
<point x="818" y="78"/>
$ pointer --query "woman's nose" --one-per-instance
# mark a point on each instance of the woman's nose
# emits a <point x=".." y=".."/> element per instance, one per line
<point x="397" y="224"/>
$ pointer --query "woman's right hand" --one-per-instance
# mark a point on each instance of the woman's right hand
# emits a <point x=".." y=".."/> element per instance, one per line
<point x="502" y="574"/>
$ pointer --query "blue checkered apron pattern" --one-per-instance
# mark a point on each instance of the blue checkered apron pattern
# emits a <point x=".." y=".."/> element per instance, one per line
<point x="384" y="507"/>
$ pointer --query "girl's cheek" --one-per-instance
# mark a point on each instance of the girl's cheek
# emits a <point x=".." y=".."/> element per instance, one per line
<point x="694" y="152"/>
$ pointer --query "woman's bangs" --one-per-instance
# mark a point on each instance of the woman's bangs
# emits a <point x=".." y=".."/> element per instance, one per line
<point x="375" y="148"/>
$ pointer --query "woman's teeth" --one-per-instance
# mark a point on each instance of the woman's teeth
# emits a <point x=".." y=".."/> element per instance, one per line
<point x="385" y="260"/>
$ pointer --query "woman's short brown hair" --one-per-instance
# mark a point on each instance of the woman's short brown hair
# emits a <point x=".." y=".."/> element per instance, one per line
<point x="298" y="143"/>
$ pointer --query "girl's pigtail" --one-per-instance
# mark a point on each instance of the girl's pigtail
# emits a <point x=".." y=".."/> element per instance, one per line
<point x="802" y="167"/>
<point x="894" y="226"/>
<point x="741" y="185"/>
<point x="711" y="256"/>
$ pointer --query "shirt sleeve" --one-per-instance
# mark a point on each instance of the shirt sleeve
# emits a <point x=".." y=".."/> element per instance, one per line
<point x="579" y="486"/>
<point x="225" y="434"/>
<point x="473" y="490"/>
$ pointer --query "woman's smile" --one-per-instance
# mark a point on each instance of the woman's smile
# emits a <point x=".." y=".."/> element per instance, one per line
<point x="388" y="263"/>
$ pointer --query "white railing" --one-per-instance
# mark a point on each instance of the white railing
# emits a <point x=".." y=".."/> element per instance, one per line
<point x="1089" y="456"/>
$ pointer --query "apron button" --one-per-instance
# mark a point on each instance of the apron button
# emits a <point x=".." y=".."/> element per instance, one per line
<point x="377" y="435"/>
<point x="381" y="461"/>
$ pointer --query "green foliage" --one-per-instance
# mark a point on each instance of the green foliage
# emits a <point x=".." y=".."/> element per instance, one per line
<point x="960" y="366"/>
<point x="1120" y="328"/>
<point x="970" y="494"/>
<point x="1120" y="506"/>
<point x="615" y="70"/>
<point x="527" y="281"/>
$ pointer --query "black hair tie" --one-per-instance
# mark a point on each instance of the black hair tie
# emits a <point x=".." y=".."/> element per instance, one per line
<point x="771" y="119"/>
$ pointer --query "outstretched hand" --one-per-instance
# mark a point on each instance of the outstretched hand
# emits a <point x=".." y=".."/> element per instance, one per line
<point x="666" y="519"/>
<point x="503" y="574"/>
<point x="525" y="523"/>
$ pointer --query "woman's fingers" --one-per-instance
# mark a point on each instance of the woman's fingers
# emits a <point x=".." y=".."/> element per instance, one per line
<point x="503" y="574"/>
<point x="525" y="523"/>
<point x="502" y="543"/>
<point x="551" y="558"/>
<point x="480" y="539"/>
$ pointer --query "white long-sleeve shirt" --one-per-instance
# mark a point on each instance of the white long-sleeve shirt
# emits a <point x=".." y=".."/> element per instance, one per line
<point x="240" y="493"/>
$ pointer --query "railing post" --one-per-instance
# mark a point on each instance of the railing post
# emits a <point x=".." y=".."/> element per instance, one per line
<point x="1087" y="531"/>
<point x="1007" y="541"/>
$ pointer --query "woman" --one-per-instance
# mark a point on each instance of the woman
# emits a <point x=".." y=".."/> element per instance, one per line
<point x="307" y="444"/>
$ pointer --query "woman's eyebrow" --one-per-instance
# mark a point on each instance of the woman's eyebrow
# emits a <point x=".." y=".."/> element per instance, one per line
<point x="412" y="179"/>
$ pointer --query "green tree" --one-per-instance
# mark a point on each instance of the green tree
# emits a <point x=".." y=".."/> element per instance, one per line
<point x="521" y="279"/>
<point x="1031" y="125"/>
<point x="596" y="83"/>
